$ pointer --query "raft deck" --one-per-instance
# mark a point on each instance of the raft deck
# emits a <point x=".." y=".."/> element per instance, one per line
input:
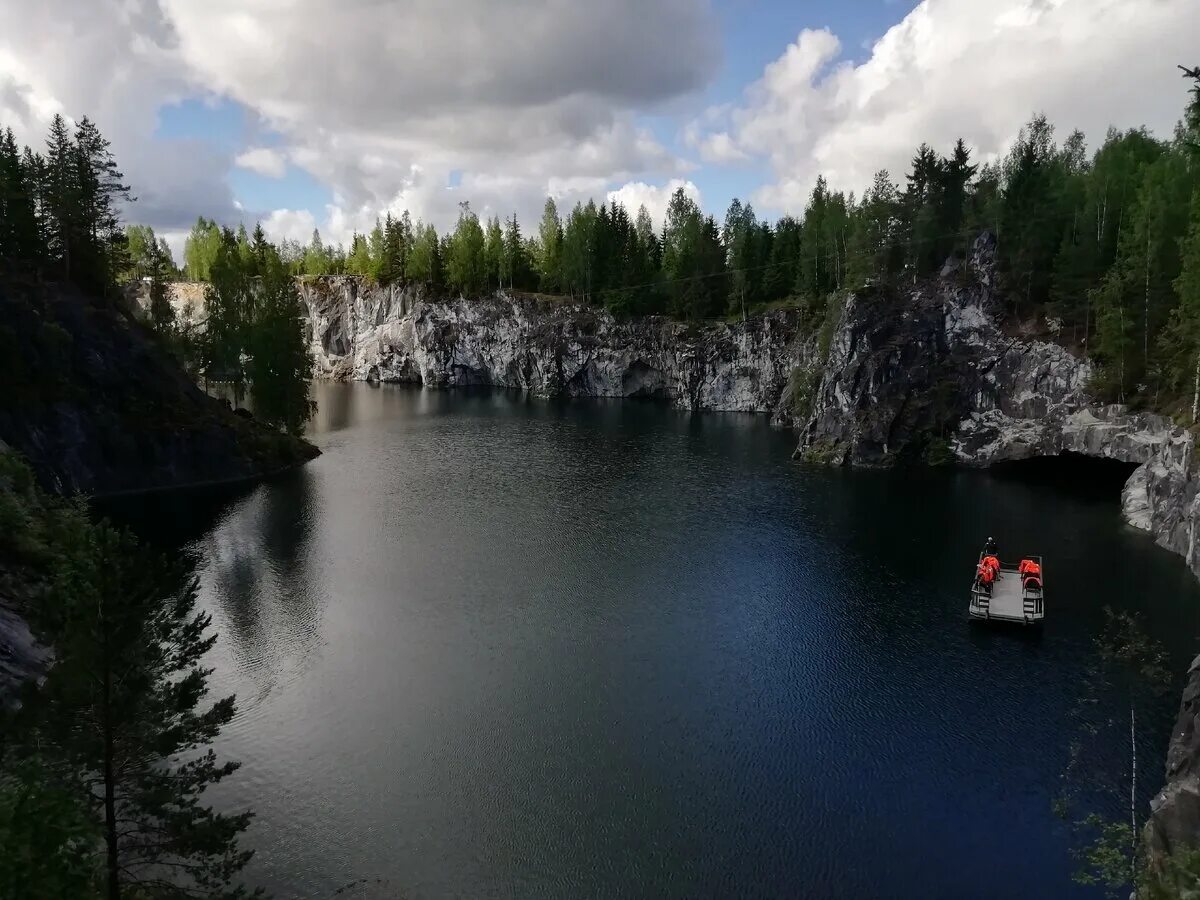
<point x="1009" y="601"/>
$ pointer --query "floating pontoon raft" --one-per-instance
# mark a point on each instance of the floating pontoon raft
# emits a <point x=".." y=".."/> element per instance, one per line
<point x="1012" y="598"/>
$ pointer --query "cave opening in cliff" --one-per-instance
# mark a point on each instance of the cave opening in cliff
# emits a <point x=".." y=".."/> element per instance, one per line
<point x="1088" y="477"/>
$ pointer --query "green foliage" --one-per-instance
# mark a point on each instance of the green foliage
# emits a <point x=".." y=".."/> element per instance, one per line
<point x="693" y="261"/>
<point x="280" y="360"/>
<point x="58" y="212"/>
<point x="201" y="248"/>
<point x="1128" y="670"/>
<point x="47" y="832"/>
<point x="803" y="384"/>
<point x="466" y="265"/>
<point x="124" y="706"/>
<point x="550" y="238"/>
<point x="1094" y="243"/>
<point x="493" y="254"/>
<point x="104" y="766"/>
<point x="424" y="264"/>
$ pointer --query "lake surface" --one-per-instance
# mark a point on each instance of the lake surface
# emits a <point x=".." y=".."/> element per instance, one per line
<point x="487" y="646"/>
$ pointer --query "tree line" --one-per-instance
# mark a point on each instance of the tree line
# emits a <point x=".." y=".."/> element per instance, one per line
<point x="59" y="211"/>
<point x="1098" y="249"/>
<point x="60" y="221"/>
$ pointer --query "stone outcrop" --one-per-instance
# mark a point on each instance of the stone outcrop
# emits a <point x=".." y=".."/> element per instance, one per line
<point x="95" y="406"/>
<point x="931" y="370"/>
<point x="365" y="332"/>
<point x="1174" y="822"/>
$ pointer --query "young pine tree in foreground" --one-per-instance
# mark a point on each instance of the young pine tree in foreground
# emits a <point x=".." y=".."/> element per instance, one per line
<point x="124" y="709"/>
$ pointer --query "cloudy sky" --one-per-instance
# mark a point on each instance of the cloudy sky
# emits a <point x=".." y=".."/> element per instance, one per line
<point x="304" y="113"/>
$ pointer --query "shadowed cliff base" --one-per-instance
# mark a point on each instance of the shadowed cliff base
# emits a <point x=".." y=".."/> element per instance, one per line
<point x="97" y="407"/>
<point x="1080" y="476"/>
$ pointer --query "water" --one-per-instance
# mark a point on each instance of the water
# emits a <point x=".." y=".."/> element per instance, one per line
<point x="492" y="647"/>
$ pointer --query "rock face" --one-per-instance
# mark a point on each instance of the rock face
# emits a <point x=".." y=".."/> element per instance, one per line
<point x="902" y="373"/>
<point x="363" y="332"/>
<point x="95" y="406"/>
<point x="1174" y="822"/>
<point x="931" y="370"/>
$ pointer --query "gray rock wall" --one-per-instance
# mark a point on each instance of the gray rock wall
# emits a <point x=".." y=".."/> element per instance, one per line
<point x="364" y="332"/>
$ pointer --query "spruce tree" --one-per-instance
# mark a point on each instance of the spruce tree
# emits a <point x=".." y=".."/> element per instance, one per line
<point x="515" y="269"/>
<point x="466" y="265"/>
<point x="60" y="196"/>
<point x="493" y="254"/>
<point x="550" y="238"/>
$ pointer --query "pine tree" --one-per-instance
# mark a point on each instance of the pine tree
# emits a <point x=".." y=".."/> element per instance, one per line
<point x="60" y="196"/>
<point x="550" y="238"/>
<point x="466" y="266"/>
<point x="281" y="362"/>
<point x="228" y="304"/>
<point x="578" y="263"/>
<point x="515" y="269"/>
<point x="359" y="261"/>
<point x="316" y="259"/>
<point x="1181" y="338"/>
<point x="1032" y="222"/>
<point x="261" y="249"/>
<point x="781" y="274"/>
<point x="493" y="254"/>
<point x="424" y="263"/>
<point x="924" y="209"/>
<point x="200" y="249"/>
<point x="740" y="235"/>
<point x="876" y="251"/>
<point x="20" y="230"/>
<point x="956" y="174"/>
<point x="101" y="251"/>
<point x="123" y="706"/>
<point x="162" y="314"/>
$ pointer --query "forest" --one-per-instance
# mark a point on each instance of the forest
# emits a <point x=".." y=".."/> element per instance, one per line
<point x="1098" y="249"/>
<point x="60" y="221"/>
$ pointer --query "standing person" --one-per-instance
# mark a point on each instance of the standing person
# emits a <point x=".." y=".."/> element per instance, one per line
<point x="990" y="548"/>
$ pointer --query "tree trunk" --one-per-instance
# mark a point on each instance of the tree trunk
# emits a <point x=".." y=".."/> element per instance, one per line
<point x="1196" y="391"/>
<point x="1146" y="309"/>
<point x="110" y="800"/>
<point x="1133" y="798"/>
<point x="1121" y="361"/>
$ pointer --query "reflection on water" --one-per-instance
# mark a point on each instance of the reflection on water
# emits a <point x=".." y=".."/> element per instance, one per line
<point x="492" y="646"/>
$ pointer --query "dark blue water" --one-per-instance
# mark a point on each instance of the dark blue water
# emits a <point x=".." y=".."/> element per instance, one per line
<point x="493" y="647"/>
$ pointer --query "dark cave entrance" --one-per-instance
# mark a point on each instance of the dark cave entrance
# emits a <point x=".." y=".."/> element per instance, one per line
<point x="1088" y="477"/>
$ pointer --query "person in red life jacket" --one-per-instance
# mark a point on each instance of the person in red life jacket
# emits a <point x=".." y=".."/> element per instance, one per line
<point x="1031" y="573"/>
<point x="985" y="576"/>
<point x="992" y="563"/>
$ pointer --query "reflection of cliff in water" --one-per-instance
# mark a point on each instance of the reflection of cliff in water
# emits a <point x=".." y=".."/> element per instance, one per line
<point x="266" y="605"/>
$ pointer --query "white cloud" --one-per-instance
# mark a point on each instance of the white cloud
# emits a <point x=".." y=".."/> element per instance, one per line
<point x="722" y="149"/>
<point x="114" y="61"/>
<point x="263" y="160"/>
<point x="381" y="102"/>
<point x="956" y="68"/>
<point x="290" y="224"/>
<point x="654" y="197"/>
<point x="520" y="100"/>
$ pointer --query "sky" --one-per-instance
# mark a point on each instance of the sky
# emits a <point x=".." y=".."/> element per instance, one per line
<point x="326" y="114"/>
